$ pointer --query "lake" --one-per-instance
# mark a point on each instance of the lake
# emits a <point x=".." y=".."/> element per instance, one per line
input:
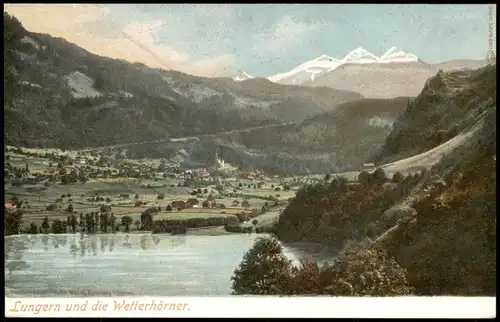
<point x="79" y="265"/>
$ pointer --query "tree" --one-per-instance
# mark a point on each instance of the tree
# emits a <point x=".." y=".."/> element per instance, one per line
<point x="264" y="270"/>
<point x="104" y="222"/>
<point x="205" y="190"/>
<point x="364" y="178"/>
<point x="45" y="225"/>
<point x="127" y="221"/>
<point x="112" y="222"/>
<point x="245" y="203"/>
<point x="147" y="220"/>
<point x="255" y="222"/>
<point x="161" y="196"/>
<point x="379" y="176"/>
<point x="397" y="177"/>
<point x="70" y="208"/>
<point x="13" y="222"/>
<point x="198" y="190"/>
<point x="108" y="199"/>
<point x="327" y="177"/>
<point x="33" y="228"/>
<point x="168" y="208"/>
<point x="205" y="204"/>
<point x="81" y="223"/>
<point x="368" y="273"/>
<point x="72" y="223"/>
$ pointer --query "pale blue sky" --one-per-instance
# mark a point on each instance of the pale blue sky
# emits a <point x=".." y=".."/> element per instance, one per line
<point x="265" y="39"/>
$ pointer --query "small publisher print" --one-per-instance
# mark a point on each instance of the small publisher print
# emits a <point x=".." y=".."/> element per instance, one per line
<point x="490" y="57"/>
<point x="83" y="293"/>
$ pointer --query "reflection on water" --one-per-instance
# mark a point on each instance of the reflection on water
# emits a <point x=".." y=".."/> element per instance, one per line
<point x="87" y="244"/>
<point x="124" y="264"/>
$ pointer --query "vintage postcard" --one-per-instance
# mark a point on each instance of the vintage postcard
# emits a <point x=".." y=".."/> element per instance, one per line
<point x="250" y="160"/>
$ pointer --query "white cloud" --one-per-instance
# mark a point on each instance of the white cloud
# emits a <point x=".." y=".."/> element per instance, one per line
<point x="91" y="27"/>
<point x="285" y="34"/>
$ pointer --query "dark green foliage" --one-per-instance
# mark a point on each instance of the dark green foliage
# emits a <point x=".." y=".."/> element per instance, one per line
<point x="264" y="270"/>
<point x="126" y="221"/>
<point x="13" y="222"/>
<point x="397" y="177"/>
<point x="379" y="176"/>
<point x="147" y="220"/>
<point x="45" y="225"/>
<point x="365" y="178"/>
<point x="59" y="227"/>
<point x="33" y="228"/>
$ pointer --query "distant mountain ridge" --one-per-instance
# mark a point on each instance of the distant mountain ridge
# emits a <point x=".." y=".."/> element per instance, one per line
<point x="393" y="74"/>
<point x="326" y="63"/>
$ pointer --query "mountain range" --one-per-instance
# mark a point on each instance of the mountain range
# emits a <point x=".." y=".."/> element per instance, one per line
<point x="396" y="73"/>
<point x="60" y="95"/>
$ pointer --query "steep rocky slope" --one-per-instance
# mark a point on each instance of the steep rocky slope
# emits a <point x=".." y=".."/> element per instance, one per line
<point x="450" y="103"/>
<point x="440" y="224"/>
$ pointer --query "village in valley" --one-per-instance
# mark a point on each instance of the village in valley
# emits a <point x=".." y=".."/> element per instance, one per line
<point x="52" y="191"/>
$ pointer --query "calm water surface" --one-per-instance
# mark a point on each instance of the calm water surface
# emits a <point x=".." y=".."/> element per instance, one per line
<point x="123" y="265"/>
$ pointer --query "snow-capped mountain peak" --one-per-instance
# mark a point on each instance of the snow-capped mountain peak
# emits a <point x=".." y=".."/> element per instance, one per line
<point x="396" y="55"/>
<point x="325" y="58"/>
<point x="311" y="69"/>
<point x="389" y="52"/>
<point x="360" y="55"/>
<point x="241" y="76"/>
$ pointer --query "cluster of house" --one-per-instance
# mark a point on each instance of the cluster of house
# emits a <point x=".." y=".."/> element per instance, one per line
<point x="197" y="174"/>
<point x="9" y="205"/>
<point x="252" y="174"/>
<point x="368" y="167"/>
<point x="190" y="203"/>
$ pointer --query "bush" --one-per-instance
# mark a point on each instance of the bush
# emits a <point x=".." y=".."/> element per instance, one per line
<point x="379" y="176"/>
<point x="397" y="177"/>
<point x="264" y="270"/>
<point x="364" y="178"/>
<point x="368" y="273"/>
